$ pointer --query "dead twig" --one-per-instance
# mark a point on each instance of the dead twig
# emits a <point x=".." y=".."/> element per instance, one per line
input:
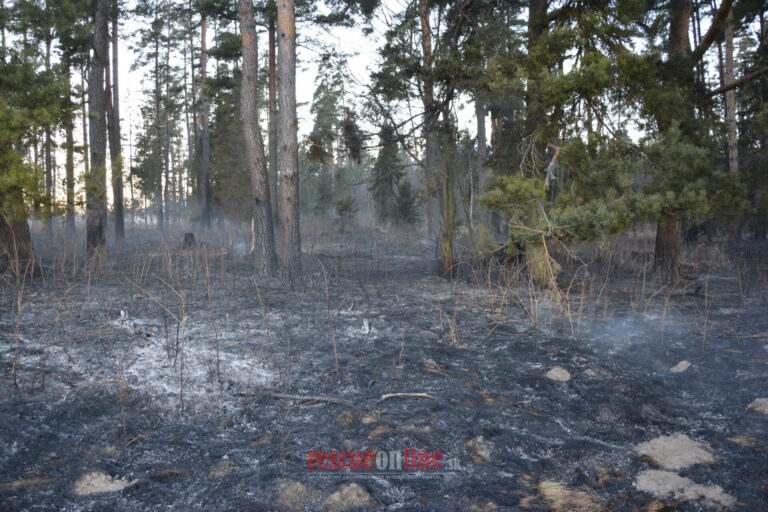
<point x="406" y="395"/>
<point x="300" y="398"/>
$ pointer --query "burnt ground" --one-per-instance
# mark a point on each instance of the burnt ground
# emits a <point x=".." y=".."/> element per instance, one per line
<point x="98" y="359"/>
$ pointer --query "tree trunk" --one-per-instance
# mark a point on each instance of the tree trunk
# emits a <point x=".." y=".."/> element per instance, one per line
<point x="272" y="128"/>
<point x="730" y="117"/>
<point x="264" y="233"/>
<point x="96" y="186"/>
<point x="205" y="218"/>
<point x="50" y="195"/>
<point x="666" y="261"/>
<point x="430" y="129"/>
<point x="16" y="249"/>
<point x="84" y="115"/>
<point x="289" y="246"/>
<point x="669" y="239"/>
<point x="115" y="144"/>
<point x="447" y="207"/>
<point x="69" y="129"/>
<point x="157" y="167"/>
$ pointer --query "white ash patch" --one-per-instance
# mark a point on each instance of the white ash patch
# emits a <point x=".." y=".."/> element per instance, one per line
<point x="558" y="374"/>
<point x="98" y="482"/>
<point x="759" y="405"/>
<point x="677" y="451"/>
<point x="666" y="484"/>
<point x="681" y="366"/>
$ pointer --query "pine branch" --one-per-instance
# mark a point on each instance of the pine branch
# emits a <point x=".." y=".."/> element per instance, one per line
<point x="741" y="81"/>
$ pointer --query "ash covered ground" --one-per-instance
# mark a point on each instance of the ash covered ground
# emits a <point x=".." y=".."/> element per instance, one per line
<point x="160" y="381"/>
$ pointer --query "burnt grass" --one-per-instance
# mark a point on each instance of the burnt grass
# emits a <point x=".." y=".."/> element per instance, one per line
<point x="91" y="376"/>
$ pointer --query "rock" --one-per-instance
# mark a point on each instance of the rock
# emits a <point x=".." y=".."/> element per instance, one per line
<point x="562" y="499"/>
<point x="666" y="484"/>
<point x="110" y="449"/>
<point x="477" y="505"/>
<point x="431" y="367"/>
<point x="349" y="497"/>
<point x="98" y="482"/>
<point x="559" y="374"/>
<point x="592" y="374"/>
<point x="480" y="450"/>
<point x="416" y="429"/>
<point x="295" y="496"/>
<point x="681" y="366"/>
<point x="260" y="441"/>
<point x="759" y="405"/>
<point x="677" y="451"/>
<point x="429" y="335"/>
<point x="369" y="419"/>
<point x="748" y="442"/>
<point x="345" y="419"/>
<point x="378" y="432"/>
<point x="223" y="468"/>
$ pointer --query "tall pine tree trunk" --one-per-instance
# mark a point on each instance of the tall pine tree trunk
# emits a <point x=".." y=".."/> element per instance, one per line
<point x="115" y="144"/>
<point x="84" y="117"/>
<point x="263" y="232"/>
<point x="730" y="117"/>
<point x="50" y="194"/>
<point x="272" y="127"/>
<point x="96" y="186"/>
<point x="430" y="127"/>
<point x="666" y="259"/>
<point x="205" y="142"/>
<point x="289" y="241"/>
<point x="156" y="157"/>
<point x="69" y="129"/>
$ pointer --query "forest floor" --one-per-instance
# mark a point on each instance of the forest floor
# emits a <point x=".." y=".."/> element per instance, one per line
<point x="174" y="379"/>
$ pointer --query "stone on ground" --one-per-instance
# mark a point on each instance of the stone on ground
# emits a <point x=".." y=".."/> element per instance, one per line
<point x="480" y="450"/>
<point x="759" y="405"/>
<point x="562" y="499"/>
<point x="349" y="497"/>
<point x="98" y="482"/>
<point x="559" y="374"/>
<point x="677" y="451"/>
<point x="681" y="366"/>
<point x="295" y="496"/>
<point x="666" y="484"/>
<point x="223" y="468"/>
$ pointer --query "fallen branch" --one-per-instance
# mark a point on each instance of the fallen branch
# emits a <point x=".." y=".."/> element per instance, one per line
<point x="301" y="398"/>
<point x="406" y="395"/>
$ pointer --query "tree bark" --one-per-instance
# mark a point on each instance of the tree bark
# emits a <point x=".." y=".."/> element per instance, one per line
<point x="16" y="248"/>
<point x="96" y="186"/>
<point x="669" y="239"/>
<point x="730" y="117"/>
<point x="289" y="246"/>
<point x="205" y="218"/>
<point x="272" y="128"/>
<point x="264" y="233"/>
<point x="84" y="115"/>
<point x="666" y="261"/>
<point x="430" y="128"/>
<point x="50" y="193"/>
<point x="157" y="168"/>
<point x="69" y="129"/>
<point x="115" y="144"/>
